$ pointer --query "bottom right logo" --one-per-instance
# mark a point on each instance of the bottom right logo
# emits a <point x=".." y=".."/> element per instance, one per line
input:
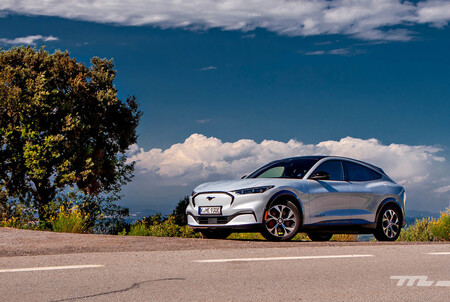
<point x="418" y="281"/>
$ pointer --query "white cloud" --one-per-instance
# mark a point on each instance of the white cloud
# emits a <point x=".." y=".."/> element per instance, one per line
<point x="337" y="51"/>
<point x="316" y="53"/>
<point x="200" y="158"/>
<point x="28" y="40"/>
<point x="436" y="12"/>
<point x="443" y="189"/>
<point x="208" y="68"/>
<point x="365" y="19"/>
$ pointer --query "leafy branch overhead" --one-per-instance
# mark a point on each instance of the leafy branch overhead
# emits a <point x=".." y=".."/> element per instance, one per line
<point x="62" y="124"/>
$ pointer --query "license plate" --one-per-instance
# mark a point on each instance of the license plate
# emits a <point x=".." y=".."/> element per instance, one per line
<point x="210" y="210"/>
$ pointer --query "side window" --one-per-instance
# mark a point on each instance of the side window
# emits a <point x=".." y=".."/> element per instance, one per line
<point x="274" y="172"/>
<point x="357" y="172"/>
<point x="332" y="167"/>
<point x="299" y="168"/>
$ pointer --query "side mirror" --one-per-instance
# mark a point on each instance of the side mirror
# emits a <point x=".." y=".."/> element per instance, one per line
<point x="320" y="175"/>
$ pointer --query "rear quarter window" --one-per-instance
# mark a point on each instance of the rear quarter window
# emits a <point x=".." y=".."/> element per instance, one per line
<point x="356" y="172"/>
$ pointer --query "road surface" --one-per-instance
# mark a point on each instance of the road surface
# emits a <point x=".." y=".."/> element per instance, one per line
<point x="218" y="270"/>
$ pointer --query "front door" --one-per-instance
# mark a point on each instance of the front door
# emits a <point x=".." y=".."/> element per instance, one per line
<point x="330" y="198"/>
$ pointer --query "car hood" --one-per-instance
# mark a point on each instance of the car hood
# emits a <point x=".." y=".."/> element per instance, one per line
<point x="231" y="185"/>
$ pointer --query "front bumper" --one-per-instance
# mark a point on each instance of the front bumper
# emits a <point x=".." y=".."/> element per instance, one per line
<point x="237" y="211"/>
<point x="239" y="220"/>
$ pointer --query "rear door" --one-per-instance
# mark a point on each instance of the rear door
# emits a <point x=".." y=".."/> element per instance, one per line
<point x="330" y="199"/>
<point x="367" y="189"/>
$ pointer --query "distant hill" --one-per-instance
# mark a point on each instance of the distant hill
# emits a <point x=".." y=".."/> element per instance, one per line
<point x="412" y="215"/>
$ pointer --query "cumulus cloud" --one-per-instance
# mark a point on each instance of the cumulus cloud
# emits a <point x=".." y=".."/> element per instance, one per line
<point x="200" y="158"/>
<point x="28" y="40"/>
<point x="365" y="19"/>
<point x="436" y="12"/>
<point x="209" y="155"/>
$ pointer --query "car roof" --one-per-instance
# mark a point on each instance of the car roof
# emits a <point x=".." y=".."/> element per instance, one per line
<point x="319" y="157"/>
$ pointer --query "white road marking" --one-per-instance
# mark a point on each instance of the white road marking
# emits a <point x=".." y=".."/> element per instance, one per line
<point x="282" y="258"/>
<point x="439" y="253"/>
<point x="49" y="268"/>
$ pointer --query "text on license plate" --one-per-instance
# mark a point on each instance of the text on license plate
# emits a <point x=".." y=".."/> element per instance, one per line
<point x="210" y="210"/>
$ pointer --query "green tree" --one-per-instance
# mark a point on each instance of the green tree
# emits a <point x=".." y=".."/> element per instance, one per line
<point x="61" y="125"/>
<point x="180" y="211"/>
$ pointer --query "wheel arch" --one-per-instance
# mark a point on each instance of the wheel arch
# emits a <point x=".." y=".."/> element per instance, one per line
<point x="390" y="201"/>
<point x="291" y="197"/>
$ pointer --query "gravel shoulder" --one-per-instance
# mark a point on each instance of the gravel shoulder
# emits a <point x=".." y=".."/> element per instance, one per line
<point x="15" y="242"/>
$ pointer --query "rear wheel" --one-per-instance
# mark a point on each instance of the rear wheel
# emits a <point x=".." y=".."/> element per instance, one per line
<point x="389" y="224"/>
<point x="320" y="236"/>
<point x="215" y="234"/>
<point x="281" y="221"/>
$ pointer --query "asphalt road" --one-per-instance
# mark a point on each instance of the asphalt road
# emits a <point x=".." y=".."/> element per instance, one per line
<point x="297" y="271"/>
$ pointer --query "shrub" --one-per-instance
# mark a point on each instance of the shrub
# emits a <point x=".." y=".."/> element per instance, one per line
<point x="139" y="228"/>
<point x="419" y="231"/>
<point x="441" y="227"/>
<point x="246" y="236"/>
<point x="301" y="237"/>
<point x="344" y="237"/>
<point x="69" y="221"/>
<point x="160" y="227"/>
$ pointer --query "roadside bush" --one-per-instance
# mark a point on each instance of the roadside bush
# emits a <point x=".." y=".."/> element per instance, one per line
<point x="441" y="227"/>
<point x="69" y="221"/>
<point x="101" y="214"/>
<point x="160" y="227"/>
<point x="419" y="231"/>
<point x="246" y="236"/>
<point x="344" y="237"/>
<point x="139" y="228"/>
<point x="15" y="214"/>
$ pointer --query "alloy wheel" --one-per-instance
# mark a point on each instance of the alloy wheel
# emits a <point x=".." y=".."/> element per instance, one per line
<point x="281" y="221"/>
<point x="390" y="223"/>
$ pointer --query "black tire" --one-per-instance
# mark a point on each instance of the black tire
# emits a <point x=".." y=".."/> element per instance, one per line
<point x="281" y="221"/>
<point x="389" y="224"/>
<point x="215" y="234"/>
<point x="320" y="236"/>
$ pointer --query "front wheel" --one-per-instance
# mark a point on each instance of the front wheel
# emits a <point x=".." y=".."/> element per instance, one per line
<point x="281" y="221"/>
<point x="215" y="234"/>
<point x="320" y="236"/>
<point x="388" y="225"/>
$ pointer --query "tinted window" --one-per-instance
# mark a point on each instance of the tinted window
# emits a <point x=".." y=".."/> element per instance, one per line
<point x="284" y="169"/>
<point x="274" y="172"/>
<point x="332" y="167"/>
<point x="357" y="172"/>
<point x="299" y="168"/>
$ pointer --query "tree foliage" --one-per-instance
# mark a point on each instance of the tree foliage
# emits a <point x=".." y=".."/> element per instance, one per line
<point x="180" y="211"/>
<point x="62" y="125"/>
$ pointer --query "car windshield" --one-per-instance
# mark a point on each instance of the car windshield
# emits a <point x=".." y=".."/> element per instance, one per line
<point x="289" y="168"/>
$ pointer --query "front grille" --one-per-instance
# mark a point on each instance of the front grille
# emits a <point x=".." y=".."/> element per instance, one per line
<point x="213" y="220"/>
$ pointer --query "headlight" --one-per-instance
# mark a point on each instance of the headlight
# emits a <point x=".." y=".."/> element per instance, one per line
<point x="253" y="190"/>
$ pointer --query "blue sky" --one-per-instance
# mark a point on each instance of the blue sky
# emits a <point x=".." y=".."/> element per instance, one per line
<point x="216" y="72"/>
